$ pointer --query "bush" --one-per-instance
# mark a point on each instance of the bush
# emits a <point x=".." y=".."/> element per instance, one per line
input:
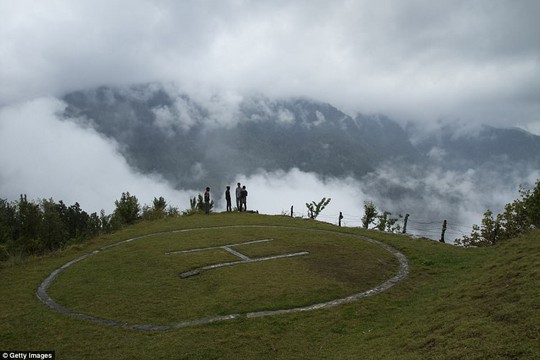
<point x="518" y="217"/>
<point x="158" y="210"/>
<point x="196" y="206"/>
<point x="314" y="209"/>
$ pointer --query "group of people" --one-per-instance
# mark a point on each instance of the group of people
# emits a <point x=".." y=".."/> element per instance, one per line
<point x="241" y="198"/>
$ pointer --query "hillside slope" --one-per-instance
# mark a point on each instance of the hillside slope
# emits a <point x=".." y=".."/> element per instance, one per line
<point x="455" y="304"/>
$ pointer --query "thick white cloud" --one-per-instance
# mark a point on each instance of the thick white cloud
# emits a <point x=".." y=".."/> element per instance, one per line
<point x="475" y="61"/>
<point x="43" y="156"/>
<point x="275" y="193"/>
<point x="429" y="195"/>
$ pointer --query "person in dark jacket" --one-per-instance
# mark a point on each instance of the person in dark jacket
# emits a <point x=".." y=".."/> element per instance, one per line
<point x="207" y="201"/>
<point x="228" y="198"/>
<point x="243" y="199"/>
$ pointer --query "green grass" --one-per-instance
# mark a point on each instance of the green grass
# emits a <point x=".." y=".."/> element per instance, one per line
<point x="455" y="304"/>
<point x="138" y="283"/>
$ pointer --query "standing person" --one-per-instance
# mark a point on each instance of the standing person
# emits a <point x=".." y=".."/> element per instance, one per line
<point x="239" y="197"/>
<point x="243" y="201"/>
<point x="207" y="201"/>
<point x="228" y="198"/>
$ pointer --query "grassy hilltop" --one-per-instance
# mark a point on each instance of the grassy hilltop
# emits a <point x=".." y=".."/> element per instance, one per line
<point x="455" y="303"/>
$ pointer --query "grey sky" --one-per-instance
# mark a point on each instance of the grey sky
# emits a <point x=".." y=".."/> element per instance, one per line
<point x="467" y="61"/>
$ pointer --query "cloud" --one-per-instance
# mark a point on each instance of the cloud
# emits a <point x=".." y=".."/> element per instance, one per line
<point x="428" y="194"/>
<point x="475" y="61"/>
<point x="276" y="191"/>
<point x="44" y="156"/>
<point x="431" y="194"/>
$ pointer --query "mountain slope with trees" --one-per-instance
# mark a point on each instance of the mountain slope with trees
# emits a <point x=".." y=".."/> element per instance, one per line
<point x="164" y="131"/>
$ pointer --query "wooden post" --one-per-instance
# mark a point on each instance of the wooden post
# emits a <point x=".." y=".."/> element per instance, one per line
<point x="340" y="217"/>
<point x="443" y="231"/>
<point x="291" y="211"/>
<point x="405" y="223"/>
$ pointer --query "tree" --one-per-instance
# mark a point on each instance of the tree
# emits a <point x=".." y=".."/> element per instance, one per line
<point x="76" y="220"/>
<point x="7" y="227"/>
<point x="157" y="211"/>
<point x="531" y="203"/>
<point x="314" y="209"/>
<point x="53" y="234"/>
<point x="106" y="221"/>
<point x="382" y="221"/>
<point x="513" y="220"/>
<point x="386" y="222"/>
<point x="27" y="225"/>
<point x="160" y="204"/>
<point x="370" y="214"/>
<point x="94" y="225"/>
<point x="518" y="217"/>
<point x="7" y="221"/>
<point x="172" y="211"/>
<point x="192" y="207"/>
<point x="127" y="209"/>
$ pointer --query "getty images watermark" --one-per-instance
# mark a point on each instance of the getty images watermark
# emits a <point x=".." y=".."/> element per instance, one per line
<point x="25" y="355"/>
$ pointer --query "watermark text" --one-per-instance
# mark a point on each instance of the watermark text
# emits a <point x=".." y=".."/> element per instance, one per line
<point x="27" y="355"/>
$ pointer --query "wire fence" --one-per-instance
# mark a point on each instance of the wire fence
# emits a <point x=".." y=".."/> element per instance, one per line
<point x="432" y="229"/>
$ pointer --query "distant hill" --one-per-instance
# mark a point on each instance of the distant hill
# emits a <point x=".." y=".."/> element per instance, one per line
<point x="188" y="142"/>
<point x="485" y="144"/>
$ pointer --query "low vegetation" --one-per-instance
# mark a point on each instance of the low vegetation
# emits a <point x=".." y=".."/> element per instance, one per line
<point x="315" y="208"/>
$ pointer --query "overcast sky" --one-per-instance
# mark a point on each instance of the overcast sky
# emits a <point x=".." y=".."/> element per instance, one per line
<point x="428" y="61"/>
<point x="468" y="61"/>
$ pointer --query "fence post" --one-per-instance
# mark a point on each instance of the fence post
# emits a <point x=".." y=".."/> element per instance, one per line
<point x="340" y="217"/>
<point x="291" y="211"/>
<point x="405" y="223"/>
<point x="443" y="231"/>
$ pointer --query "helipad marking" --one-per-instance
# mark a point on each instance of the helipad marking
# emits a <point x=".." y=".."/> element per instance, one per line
<point x="228" y="248"/>
<point x="217" y="247"/>
<point x="401" y="274"/>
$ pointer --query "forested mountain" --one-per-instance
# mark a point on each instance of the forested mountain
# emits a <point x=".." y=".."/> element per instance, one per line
<point x="485" y="144"/>
<point x="190" y="142"/>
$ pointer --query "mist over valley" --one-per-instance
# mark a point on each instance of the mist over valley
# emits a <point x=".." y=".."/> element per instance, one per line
<point x="290" y="151"/>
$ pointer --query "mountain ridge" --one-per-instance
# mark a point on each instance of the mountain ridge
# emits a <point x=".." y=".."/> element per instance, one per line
<point x="187" y="141"/>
